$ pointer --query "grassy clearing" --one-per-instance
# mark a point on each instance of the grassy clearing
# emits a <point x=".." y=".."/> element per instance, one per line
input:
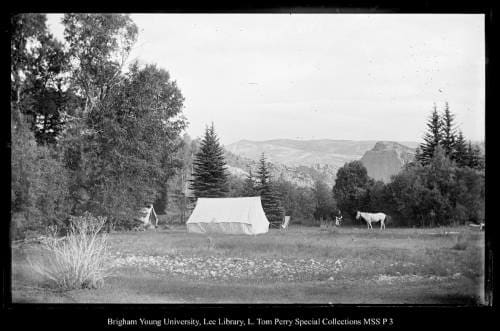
<point x="344" y="265"/>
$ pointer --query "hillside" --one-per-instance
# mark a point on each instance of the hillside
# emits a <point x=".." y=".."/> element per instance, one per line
<point x="300" y="175"/>
<point x="304" y="161"/>
<point x="303" y="152"/>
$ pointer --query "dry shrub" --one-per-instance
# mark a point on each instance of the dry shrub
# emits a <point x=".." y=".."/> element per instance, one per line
<point x="461" y="242"/>
<point x="78" y="260"/>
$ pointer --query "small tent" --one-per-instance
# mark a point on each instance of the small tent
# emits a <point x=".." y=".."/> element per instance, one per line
<point x="147" y="216"/>
<point x="228" y="215"/>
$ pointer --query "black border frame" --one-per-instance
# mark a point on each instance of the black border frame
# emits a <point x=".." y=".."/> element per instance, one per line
<point x="68" y="316"/>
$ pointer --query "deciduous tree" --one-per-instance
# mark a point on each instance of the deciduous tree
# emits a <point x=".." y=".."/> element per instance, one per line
<point x="351" y="187"/>
<point x="325" y="206"/>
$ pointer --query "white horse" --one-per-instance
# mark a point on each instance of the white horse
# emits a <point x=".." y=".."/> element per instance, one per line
<point x="372" y="218"/>
<point x="338" y="220"/>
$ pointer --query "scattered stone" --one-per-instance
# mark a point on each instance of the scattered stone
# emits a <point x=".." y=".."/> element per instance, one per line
<point x="232" y="268"/>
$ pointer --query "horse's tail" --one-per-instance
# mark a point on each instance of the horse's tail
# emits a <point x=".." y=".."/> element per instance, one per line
<point x="387" y="219"/>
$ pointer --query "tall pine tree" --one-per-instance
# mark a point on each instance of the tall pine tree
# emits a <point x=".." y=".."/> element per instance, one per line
<point x="460" y="151"/>
<point x="448" y="135"/>
<point x="249" y="189"/>
<point x="210" y="178"/>
<point x="271" y="202"/>
<point x="432" y="138"/>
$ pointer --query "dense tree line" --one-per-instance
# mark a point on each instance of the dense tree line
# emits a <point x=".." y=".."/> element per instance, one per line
<point x="88" y="134"/>
<point x="444" y="185"/>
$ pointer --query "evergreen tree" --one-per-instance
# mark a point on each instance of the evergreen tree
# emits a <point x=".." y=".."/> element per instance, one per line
<point x="249" y="185"/>
<point x="460" y="151"/>
<point x="271" y="202"/>
<point x="210" y="178"/>
<point x="431" y="139"/>
<point x="448" y="135"/>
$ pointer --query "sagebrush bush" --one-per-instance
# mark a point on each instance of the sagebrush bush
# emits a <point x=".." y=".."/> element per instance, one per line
<point x="461" y="242"/>
<point x="78" y="260"/>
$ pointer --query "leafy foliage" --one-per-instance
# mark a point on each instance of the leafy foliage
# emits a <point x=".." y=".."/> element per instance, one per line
<point x="40" y="195"/>
<point x="38" y="64"/>
<point x="440" y="193"/>
<point x="474" y="158"/>
<point x="351" y="188"/>
<point x="106" y="141"/>
<point x="325" y="205"/>
<point x="98" y="48"/>
<point x="175" y="196"/>
<point x="298" y="202"/>
<point x="133" y="133"/>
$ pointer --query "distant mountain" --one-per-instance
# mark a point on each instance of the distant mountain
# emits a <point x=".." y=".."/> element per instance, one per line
<point x="302" y="152"/>
<point x="300" y="175"/>
<point x="299" y="161"/>
<point x="386" y="158"/>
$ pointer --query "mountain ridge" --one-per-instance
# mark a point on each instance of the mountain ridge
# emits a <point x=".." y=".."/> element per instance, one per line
<point x="304" y="152"/>
<point x="304" y="161"/>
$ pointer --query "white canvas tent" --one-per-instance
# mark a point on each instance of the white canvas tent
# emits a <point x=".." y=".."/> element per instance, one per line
<point x="228" y="215"/>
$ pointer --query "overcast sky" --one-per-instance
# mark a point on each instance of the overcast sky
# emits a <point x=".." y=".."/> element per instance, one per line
<point x="315" y="76"/>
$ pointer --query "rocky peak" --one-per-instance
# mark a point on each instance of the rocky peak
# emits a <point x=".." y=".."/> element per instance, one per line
<point x="386" y="158"/>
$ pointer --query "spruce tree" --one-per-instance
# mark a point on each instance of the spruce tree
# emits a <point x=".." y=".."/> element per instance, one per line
<point x="448" y="135"/>
<point x="249" y="185"/>
<point x="271" y="202"/>
<point x="432" y="138"/>
<point x="460" y="151"/>
<point x="209" y="168"/>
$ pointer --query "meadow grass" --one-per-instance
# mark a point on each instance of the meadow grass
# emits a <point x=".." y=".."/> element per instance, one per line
<point x="366" y="255"/>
